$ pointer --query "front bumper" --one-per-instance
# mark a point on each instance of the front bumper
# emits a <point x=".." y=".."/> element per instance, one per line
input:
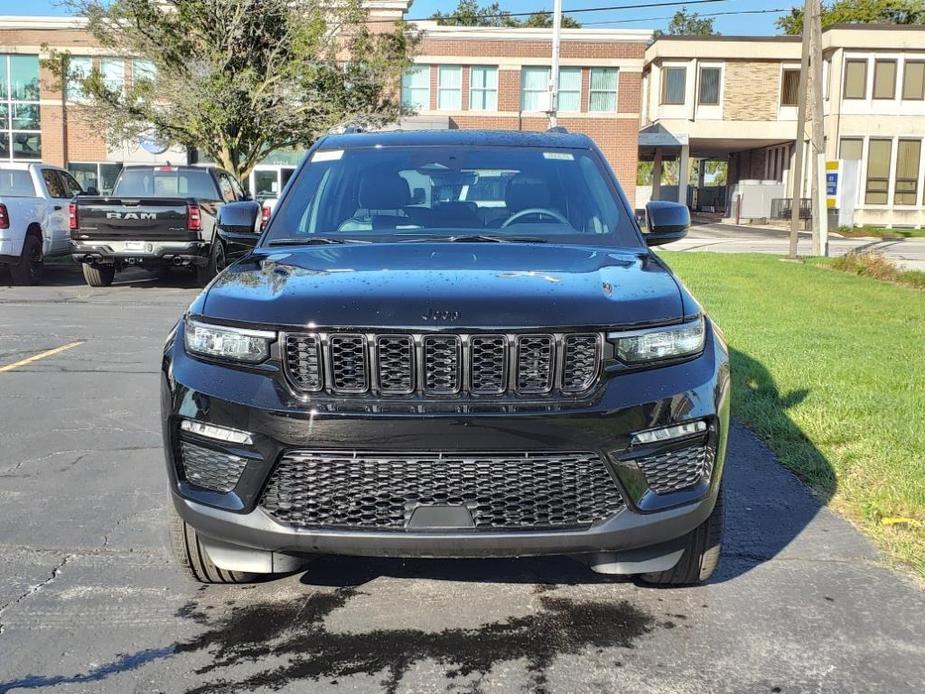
<point x="257" y="401"/>
<point x="140" y="252"/>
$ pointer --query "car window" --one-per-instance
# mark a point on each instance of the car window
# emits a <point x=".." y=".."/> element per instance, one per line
<point x="561" y="194"/>
<point x="225" y="187"/>
<point x="166" y="182"/>
<point x="71" y="184"/>
<point x="238" y="190"/>
<point x="16" y="183"/>
<point x="54" y="184"/>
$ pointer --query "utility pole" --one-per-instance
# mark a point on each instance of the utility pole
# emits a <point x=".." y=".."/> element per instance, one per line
<point x="797" y="173"/>
<point x="820" y="208"/>
<point x="554" y="71"/>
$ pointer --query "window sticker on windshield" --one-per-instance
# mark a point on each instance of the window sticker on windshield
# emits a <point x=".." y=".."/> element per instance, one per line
<point x="560" y="156"/>
<point x="327" y="155"/>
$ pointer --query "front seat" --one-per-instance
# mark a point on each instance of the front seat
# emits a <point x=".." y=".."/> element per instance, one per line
<point x="382" y="198"/>
<point x="523" y="193"/>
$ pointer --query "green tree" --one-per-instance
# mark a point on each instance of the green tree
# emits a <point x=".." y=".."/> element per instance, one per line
<point x="685" y="23"/>
<point x="239" y="78"/>
<point x="471" y="14"/>
<point x="858" y="12"/>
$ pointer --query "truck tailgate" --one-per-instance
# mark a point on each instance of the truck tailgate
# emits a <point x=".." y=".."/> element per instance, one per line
<point x="148" y="219"/>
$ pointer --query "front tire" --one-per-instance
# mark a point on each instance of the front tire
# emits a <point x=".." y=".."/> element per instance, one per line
<point x="206" y="273"/>
<point x="99" y="275"/>
<point x="193" y="559"/>
<point x="701" y="554"/>
<point x="28" y="271"/>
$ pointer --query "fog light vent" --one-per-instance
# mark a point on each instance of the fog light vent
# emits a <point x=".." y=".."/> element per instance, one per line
<point x="671" y="471"/>
<point x="210" y="469"/>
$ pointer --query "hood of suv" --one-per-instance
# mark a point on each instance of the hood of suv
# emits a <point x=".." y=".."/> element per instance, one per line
<point x="442" y="285"/>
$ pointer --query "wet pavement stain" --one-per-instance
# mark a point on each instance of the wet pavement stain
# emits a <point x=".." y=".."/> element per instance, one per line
<point x="295" y="630"/>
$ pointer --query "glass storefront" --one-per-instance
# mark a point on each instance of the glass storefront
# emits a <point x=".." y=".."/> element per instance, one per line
<point x="20" y="115"/>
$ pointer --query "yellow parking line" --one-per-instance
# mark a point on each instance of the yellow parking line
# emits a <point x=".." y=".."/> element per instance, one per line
<point x="41" y="355"/>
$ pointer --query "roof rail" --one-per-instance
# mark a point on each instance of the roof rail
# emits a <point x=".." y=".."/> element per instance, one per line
<point x="561" y="129"/>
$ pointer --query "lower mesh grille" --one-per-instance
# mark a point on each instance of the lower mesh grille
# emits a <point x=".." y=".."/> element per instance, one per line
<point x="382" y="491"/>
<point x="210" y="469"/>
<point x="672" y="471"/>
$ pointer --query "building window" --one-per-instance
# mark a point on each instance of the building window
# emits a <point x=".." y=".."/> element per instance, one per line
<point x="855" y="79"/>
<point x="79" y="69"/>
<point x="483" y="88"/>
<point x="708" y="94"/>
<point x="878" y="172"/>
<point x="534" y="88"/>
<point x="674" y="85"/>
<point x="143" y="70"/>
<point x="569" y="89"/>
<point x="415" y="88"/>
<point x="851" y="148"/>
<point x="914" y="80"/>
<point x="449" y="87"/>
<point x="906" y="186"/>
<point x="113" y="71"/>
<point x="20" y="116"/>
<point x="101" y="176"/>
<point x="790" y="88"/>
<point x="885" y="79"/>
<point x="603" y="92"/>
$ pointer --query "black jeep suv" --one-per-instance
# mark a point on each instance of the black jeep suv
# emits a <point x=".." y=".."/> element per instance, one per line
<point x="448" y="344"/>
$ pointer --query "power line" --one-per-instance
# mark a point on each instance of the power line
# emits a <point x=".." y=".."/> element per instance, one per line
<point x="710" y="14"/>
<point x="581" y="10"/>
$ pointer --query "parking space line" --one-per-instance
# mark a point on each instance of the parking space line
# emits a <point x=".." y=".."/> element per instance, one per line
<point x="40" y="355"/>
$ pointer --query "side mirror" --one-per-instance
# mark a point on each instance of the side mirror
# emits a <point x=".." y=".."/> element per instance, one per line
<point x="237" y="223"/>
<point x="92" y="190"/>
<point x="667" y="222"/>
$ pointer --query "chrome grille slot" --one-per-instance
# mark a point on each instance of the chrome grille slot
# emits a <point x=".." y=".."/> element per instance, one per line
<point x="303" y="362"/>
<point x="536" y="357"/>
<point x="348" y="363"/>
<point x="488" y="364"/>
<point x="442" y="364"/>
<point x="582" y="357"/>
<point x="395" y="363"/>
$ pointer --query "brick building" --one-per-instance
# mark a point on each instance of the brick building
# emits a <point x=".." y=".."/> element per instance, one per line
<point x="481" y="77"/>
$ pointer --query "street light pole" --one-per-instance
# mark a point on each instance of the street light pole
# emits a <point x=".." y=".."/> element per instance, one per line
<point x="797" y="174"/>
<point x="554" y="72"/>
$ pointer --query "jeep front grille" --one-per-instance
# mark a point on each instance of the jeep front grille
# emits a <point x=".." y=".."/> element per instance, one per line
<point x="527" y="491"/>
<point x="444" y="365"/>
<point x="679" y="468"/>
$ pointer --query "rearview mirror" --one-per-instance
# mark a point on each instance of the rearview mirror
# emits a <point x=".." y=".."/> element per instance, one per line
<point x="237" y="223"/>
<point x="667" y="222"/>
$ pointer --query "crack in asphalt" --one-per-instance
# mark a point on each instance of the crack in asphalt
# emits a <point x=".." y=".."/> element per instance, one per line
<point x="34" y="589"/>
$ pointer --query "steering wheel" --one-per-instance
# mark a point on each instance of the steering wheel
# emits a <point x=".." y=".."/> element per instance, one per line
<point x="534" y="211"/>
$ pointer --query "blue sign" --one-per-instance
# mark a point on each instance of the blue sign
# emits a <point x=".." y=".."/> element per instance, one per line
<point x="831" y="183"/>
<point x="151" y="144"/>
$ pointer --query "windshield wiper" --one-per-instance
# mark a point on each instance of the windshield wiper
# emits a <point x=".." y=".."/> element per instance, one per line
<point x="485" y="238"/>
<point x="311" y="240"/>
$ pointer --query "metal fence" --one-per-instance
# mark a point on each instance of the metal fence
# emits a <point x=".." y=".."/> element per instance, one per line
<point x="781" y="208"/>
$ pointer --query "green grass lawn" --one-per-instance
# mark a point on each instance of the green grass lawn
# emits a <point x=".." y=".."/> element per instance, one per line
<point x="829" y="370"/>
<point x="880" y="232"/>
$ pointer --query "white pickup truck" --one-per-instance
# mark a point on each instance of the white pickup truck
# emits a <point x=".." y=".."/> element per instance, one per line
<point x="34" y="201"/>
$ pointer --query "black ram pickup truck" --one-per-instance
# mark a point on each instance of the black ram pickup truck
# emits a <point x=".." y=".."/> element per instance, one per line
<point x="156" y="217"/>
<point x="448" y="344"/>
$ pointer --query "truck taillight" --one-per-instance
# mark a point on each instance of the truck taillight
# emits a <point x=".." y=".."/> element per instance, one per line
<point x="193" y="217"/>
<point x="264" y="217"/>
<point x="72" y="216"/>
<point x="4" y="217"/>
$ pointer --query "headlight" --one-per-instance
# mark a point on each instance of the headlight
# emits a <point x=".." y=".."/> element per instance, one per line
<point x="223" y="342"/>
<point x="658" y="344"/>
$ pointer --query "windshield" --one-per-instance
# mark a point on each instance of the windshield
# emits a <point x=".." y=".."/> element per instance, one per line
<point x="166" y="183"/>
<point x="486" y="193"/>
<point x="16" y="183"/>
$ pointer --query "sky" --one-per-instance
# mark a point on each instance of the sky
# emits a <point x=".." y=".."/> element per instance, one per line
<point x="652" y="17"/>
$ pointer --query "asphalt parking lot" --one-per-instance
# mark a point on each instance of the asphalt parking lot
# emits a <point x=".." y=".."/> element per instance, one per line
<point x="89" y="600"/>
